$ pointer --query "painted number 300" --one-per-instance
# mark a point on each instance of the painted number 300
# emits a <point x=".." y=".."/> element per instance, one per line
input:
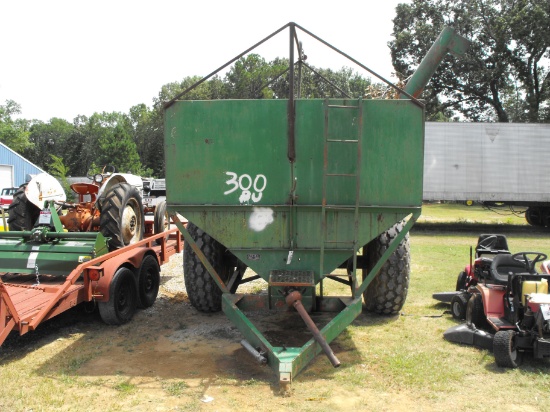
<point x="245" y="183"/>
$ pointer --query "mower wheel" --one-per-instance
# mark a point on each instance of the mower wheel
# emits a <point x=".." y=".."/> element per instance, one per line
<point x="458" y="306"/>
<point x="148" y="282"/>
<point x="475" y="314"/>
<point x="121" y="216"/>
<point x="22" y="214"/>
<point x="161" y="222"/>
<point x="387" y="292"/>
<point x="505" y="351"/>
<point x="202" y="290"/>
<point x="123" y="298"/>
<point x="461" y="281"/>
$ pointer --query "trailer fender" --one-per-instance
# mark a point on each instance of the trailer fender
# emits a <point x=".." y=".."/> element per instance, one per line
<point x="131" y="259"/>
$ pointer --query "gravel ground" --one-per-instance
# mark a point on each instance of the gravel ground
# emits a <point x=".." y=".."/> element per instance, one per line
<point x="172" y="280"/>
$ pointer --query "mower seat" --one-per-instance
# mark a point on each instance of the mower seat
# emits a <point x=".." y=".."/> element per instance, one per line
<point x="498" y="245"/>
<point x="503" y="265"/>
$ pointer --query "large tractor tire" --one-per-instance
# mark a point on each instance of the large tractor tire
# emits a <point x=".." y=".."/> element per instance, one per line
<point x="121" y="216"/>
<point x="387" y="293"/>
<point x="22" y="214"/>
<point x="202" y="290"/>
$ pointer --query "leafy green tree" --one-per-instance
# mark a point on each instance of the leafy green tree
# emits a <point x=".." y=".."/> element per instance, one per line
<point x="118" y="149"/>
<point x="505" y="75"/>
<point x="14" y="133"/>
<point x="52" y="138"/>
<point x="59" y="170"/>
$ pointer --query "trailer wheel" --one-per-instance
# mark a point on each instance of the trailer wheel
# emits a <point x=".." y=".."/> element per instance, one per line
<point x="475" y="314"/>
<point x="505" y="350"/>
<point x="534" y="216"/>
<point x="387" y="293"/>
<point x="161" y="220"/>
<point x="122" y="301"/>
<point x="202" y="290"/>
<point x="22" y="214"/>
<point x="148" y="282"/>
<point x="121" y="216"/>
<point x="458" y="306"/>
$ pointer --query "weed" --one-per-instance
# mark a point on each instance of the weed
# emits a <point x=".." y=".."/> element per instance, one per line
<point x="175" y="388"/>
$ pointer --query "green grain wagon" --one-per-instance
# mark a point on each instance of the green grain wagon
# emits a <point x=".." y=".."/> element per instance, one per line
<point x="295" y="189"/>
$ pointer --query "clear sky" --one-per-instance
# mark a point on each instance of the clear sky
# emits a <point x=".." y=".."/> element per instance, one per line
<point x="64" y="58"/>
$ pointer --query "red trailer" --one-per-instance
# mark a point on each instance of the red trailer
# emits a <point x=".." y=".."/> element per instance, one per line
<point x="118" y="281"/>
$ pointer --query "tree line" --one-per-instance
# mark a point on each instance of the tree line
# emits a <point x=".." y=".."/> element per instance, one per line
<point x="133" y="141"/>
<point x="504" y="77"/>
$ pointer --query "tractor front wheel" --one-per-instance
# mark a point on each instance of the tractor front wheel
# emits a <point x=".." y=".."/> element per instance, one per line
<point x="22" y="214"/>
<point x="505" y="350"/>
<point x="202" y="290"/>
<point x="161" y="220"/>
<point x="121" y="216"/>
<point x="387" y="293"/>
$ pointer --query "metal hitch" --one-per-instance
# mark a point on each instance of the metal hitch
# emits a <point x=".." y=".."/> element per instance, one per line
<point x="295" y="299"/>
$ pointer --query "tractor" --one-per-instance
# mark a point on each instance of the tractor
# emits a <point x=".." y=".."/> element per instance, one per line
<point x="111" y="203"/>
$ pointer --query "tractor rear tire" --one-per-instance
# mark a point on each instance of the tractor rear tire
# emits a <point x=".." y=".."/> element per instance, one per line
<point x="161" y="220"/>
<point x="148" y="282"/>
<point x="458" y="306"/>
<point x="387" y="293"/>
<point x="121" y="216"/>
<point x="475" y="314"/>
<point x="505" y="351"/>
<point x="121" y="306"/>
<point x="203" y="292"/>
<point x="22" y="214"/>
<point x="461" y="281"/>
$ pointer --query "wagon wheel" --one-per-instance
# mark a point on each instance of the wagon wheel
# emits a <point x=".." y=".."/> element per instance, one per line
<point x="148" y="281"/>
<point x="22" y="214"/>
<point x="387" y="293"/>
<point x="202" y="290"/>
<point x="122" y="301"/>
<point x="121" y="216"/>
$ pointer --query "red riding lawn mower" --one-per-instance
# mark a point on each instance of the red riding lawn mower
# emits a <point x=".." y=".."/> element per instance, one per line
<point x="505" y="302"/>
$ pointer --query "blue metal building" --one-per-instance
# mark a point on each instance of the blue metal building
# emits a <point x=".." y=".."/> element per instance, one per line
<point x="14" y="168"/>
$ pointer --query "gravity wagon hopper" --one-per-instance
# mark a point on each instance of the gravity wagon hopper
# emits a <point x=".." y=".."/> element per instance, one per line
<point x="295" y="189"/>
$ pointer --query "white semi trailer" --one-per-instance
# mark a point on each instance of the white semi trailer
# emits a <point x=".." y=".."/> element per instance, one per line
<point x="490" y="163"/>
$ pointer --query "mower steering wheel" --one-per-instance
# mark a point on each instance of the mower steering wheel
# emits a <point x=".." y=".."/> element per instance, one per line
<point x="523" y="258"/>
<point x="488" y="242"/>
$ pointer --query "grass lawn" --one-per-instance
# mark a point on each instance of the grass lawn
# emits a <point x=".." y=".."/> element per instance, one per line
<point x="398" y="363"/>
<point x="461" y="214"/>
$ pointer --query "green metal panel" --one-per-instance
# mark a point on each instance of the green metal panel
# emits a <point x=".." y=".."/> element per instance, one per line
<point x="228" y="173"/>
<point x="212" y="147"/>
<point x="57" y="258"/>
